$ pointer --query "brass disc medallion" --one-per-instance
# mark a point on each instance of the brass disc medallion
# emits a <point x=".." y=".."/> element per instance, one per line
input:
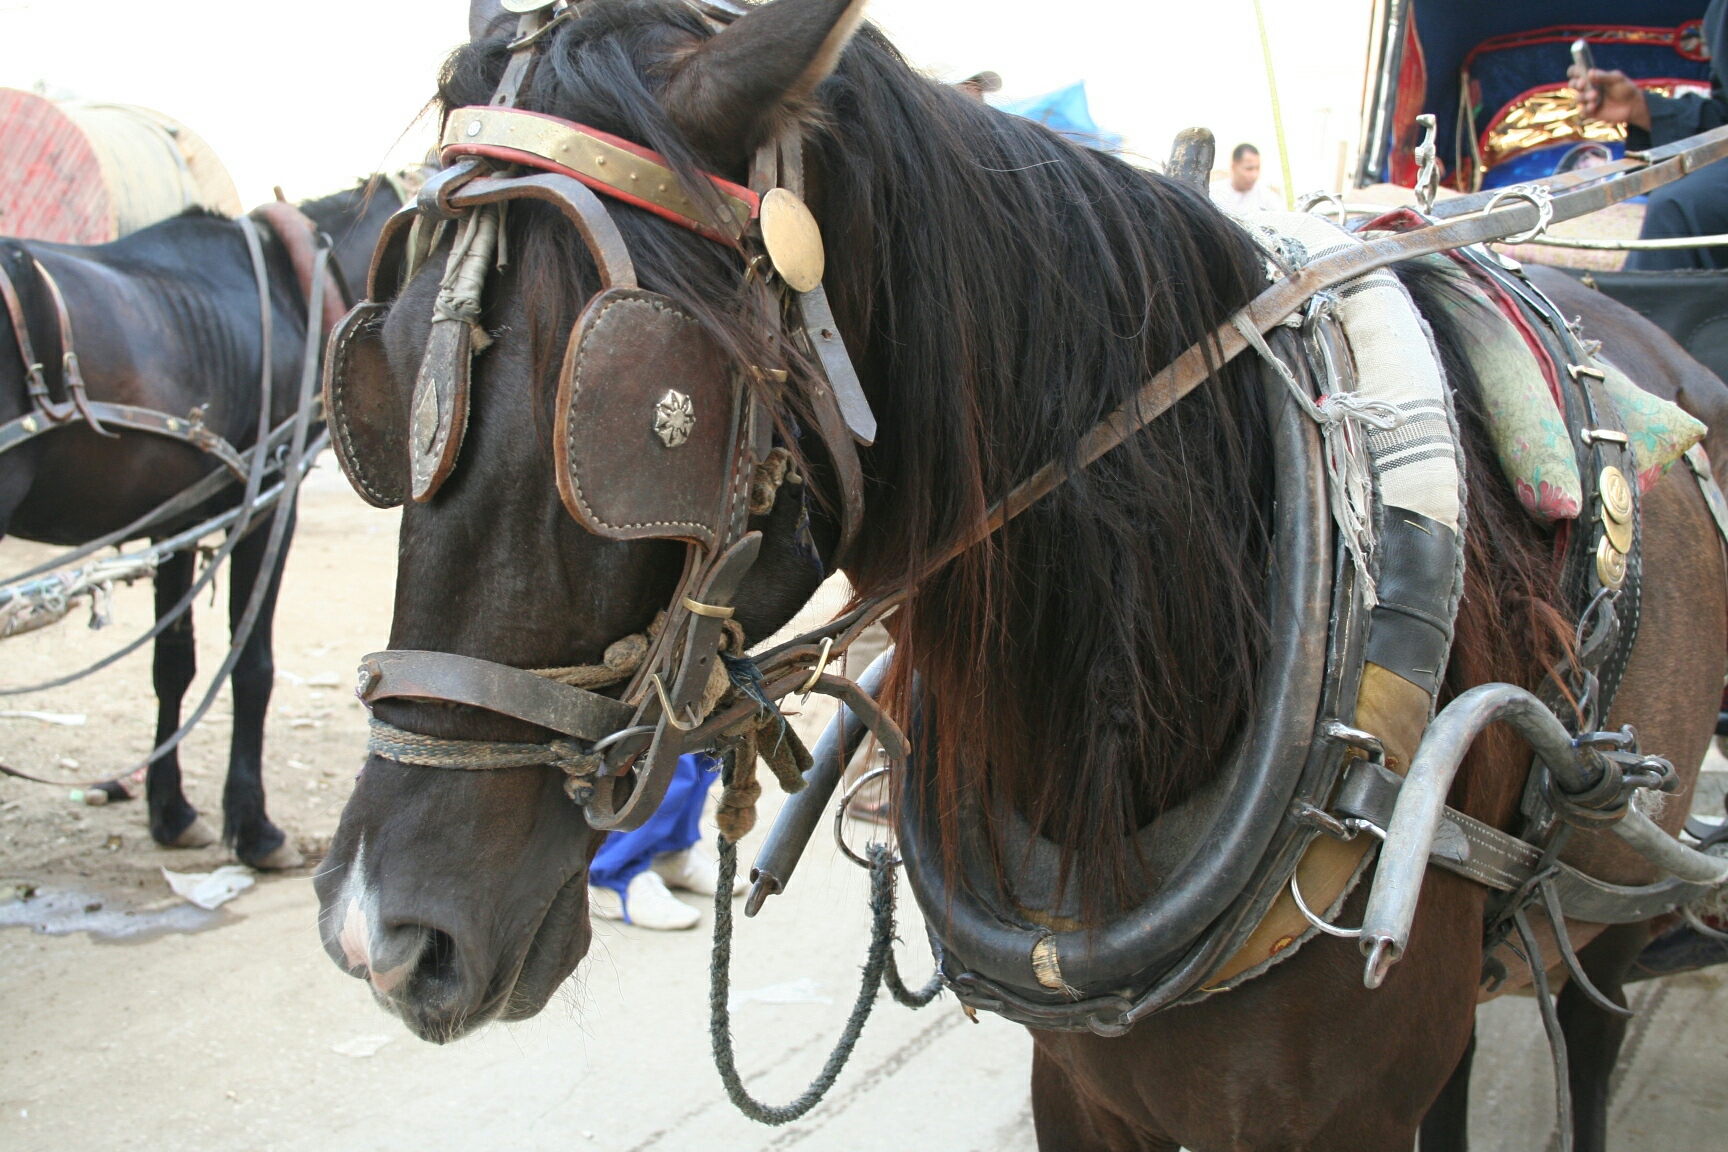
<point x="1616" y="495"/>
<point x="1619" y="531"/>
<point x="793" y="239"/>
<point x="1610" y="564"/>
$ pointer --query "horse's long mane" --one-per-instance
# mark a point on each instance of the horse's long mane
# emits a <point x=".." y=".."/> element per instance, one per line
<point x="1003" y="290"/>
<point x="1094" y="662"/>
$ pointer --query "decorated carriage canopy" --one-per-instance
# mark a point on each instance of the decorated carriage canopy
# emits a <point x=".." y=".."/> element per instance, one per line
<point x="1494" y="78"/>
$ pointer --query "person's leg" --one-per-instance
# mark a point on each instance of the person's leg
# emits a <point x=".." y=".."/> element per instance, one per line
<point x="1694" y="206"/>
<point x="678" y="864"/>
<point x="622" y="885"/>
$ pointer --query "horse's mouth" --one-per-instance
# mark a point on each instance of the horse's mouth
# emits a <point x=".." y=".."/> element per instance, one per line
<point x="430" y="1001"/>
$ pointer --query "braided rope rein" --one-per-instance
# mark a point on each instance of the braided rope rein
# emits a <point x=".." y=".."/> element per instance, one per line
<point x="879" y="969"/>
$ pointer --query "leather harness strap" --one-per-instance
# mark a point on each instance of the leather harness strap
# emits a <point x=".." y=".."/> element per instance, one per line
<point x="47" y="415"/>
<point x="38" y="383"/>
<point x="496" y="687"/>
<point x="298" y="235"/>
<point x="607" y="163"/>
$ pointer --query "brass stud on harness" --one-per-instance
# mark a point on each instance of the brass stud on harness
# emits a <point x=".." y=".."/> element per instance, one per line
<point x="1616" y="495"/>
<point x="1616" y="510"/>
<point x="1610" y="564"/>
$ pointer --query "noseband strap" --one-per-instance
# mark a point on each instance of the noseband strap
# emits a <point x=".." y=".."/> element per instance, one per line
<point x="453" y="679"/>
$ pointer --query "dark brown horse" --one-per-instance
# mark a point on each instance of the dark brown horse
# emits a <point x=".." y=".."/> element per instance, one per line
<point x="1001" y="290"/>
<point x="168" y="319"/>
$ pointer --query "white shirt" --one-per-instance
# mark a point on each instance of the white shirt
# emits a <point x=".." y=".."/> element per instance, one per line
<point x="1257" y="199"/>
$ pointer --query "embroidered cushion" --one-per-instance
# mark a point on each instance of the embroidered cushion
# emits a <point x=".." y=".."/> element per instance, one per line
<point x="1524" y="422"/>
<point x="1660" y="431"/>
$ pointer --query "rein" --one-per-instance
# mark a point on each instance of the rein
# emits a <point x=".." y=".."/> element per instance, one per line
<point x="292" y="437"/>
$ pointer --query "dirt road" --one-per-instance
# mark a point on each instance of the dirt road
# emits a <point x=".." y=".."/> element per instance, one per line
<point x="147" y="1023"/>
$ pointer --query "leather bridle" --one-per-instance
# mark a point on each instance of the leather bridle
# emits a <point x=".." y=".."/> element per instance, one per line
<point x="699" y="489"/>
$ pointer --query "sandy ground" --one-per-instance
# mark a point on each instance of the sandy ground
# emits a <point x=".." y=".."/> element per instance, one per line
<point x="132" y="1018"/>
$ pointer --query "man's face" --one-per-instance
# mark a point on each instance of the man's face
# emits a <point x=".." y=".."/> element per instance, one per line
<point x="1245" y="173"/>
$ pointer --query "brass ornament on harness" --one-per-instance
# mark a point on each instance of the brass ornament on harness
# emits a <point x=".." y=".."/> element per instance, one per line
<point x="793" y="239"/>
<point x="1616" y="510"/>
<point x="1611" y="564"/>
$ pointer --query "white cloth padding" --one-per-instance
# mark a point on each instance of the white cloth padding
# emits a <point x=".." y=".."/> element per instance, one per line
<point x="1416" y="464"/>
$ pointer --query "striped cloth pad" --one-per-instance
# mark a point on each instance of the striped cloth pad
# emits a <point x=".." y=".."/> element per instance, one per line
<point x="1415" y="464"/>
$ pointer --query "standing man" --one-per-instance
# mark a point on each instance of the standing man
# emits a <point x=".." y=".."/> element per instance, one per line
<point x="1241" y="192"/>
<point x="1698" y="204"/>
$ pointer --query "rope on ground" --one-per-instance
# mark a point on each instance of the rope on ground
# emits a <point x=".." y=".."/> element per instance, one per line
<point x="878" y="963"/>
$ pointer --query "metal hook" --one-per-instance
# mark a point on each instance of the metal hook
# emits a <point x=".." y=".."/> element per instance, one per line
<point x="666" y="707"/>
<point x="1428" y="156"/>
<point x="840" y="818"/>
<point x="821" y="666"/>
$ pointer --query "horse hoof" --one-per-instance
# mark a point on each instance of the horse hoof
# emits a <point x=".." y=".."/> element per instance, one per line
<point x="197" y="835"/>
<point x="281" y="859"/>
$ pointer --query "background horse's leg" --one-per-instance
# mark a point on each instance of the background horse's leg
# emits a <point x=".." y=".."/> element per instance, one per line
<point x="1593" y="1037"/>
<point x="173" y="821"/>
<point x="256" y="841"/>
<point x="1446" y="1128"/>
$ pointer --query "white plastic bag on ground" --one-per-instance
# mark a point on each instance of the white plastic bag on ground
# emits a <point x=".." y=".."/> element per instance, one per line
<point x="210" y="890"/>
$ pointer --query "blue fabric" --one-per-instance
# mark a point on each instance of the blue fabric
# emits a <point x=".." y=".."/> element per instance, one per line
<point x="674" y="826"/>
<point x="1536" y="163"/>
<point x="1066" y="112"/>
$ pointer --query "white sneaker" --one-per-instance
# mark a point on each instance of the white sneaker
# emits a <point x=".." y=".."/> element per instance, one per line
<point x="693" y="873"/>
<point x="648" y="904"/>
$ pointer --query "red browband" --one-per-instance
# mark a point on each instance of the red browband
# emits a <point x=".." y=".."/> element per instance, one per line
<point x="611" y="166"/>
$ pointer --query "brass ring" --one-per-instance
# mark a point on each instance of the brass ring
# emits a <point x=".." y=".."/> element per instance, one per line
<point x="712" y="611"/>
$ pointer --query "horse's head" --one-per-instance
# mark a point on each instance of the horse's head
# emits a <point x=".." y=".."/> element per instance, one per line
<point x="461" y="895"/>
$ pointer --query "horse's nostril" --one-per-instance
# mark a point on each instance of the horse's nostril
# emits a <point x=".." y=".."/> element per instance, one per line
<point x="436" y="971"/>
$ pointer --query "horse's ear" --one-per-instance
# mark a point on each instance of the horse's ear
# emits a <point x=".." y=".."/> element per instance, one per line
<point x="485" y="18"/>
<point x="726" y="95"/>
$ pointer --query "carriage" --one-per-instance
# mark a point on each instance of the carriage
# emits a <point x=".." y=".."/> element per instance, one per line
<point x="1494" y="79"/>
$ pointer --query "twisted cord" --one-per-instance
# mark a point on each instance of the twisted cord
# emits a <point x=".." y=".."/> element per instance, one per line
<point x="879" y="961"/>
<point x="406" y="747"/>
<point x="1342" y="417"/>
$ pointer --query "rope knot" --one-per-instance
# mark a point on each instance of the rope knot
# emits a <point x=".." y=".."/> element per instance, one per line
<point x="580" y="767"/>
<point x="770" y="475"/>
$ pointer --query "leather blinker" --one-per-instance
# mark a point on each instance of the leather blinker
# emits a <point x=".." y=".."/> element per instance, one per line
<point x="366" y="410"/>
<point x="647" y="422"/>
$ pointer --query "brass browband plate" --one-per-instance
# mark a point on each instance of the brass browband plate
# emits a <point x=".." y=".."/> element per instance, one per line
<point x="600" y="160"/>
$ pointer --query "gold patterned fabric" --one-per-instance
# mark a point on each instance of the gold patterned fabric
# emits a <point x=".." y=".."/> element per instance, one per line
<point x="1542" y="118"/>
